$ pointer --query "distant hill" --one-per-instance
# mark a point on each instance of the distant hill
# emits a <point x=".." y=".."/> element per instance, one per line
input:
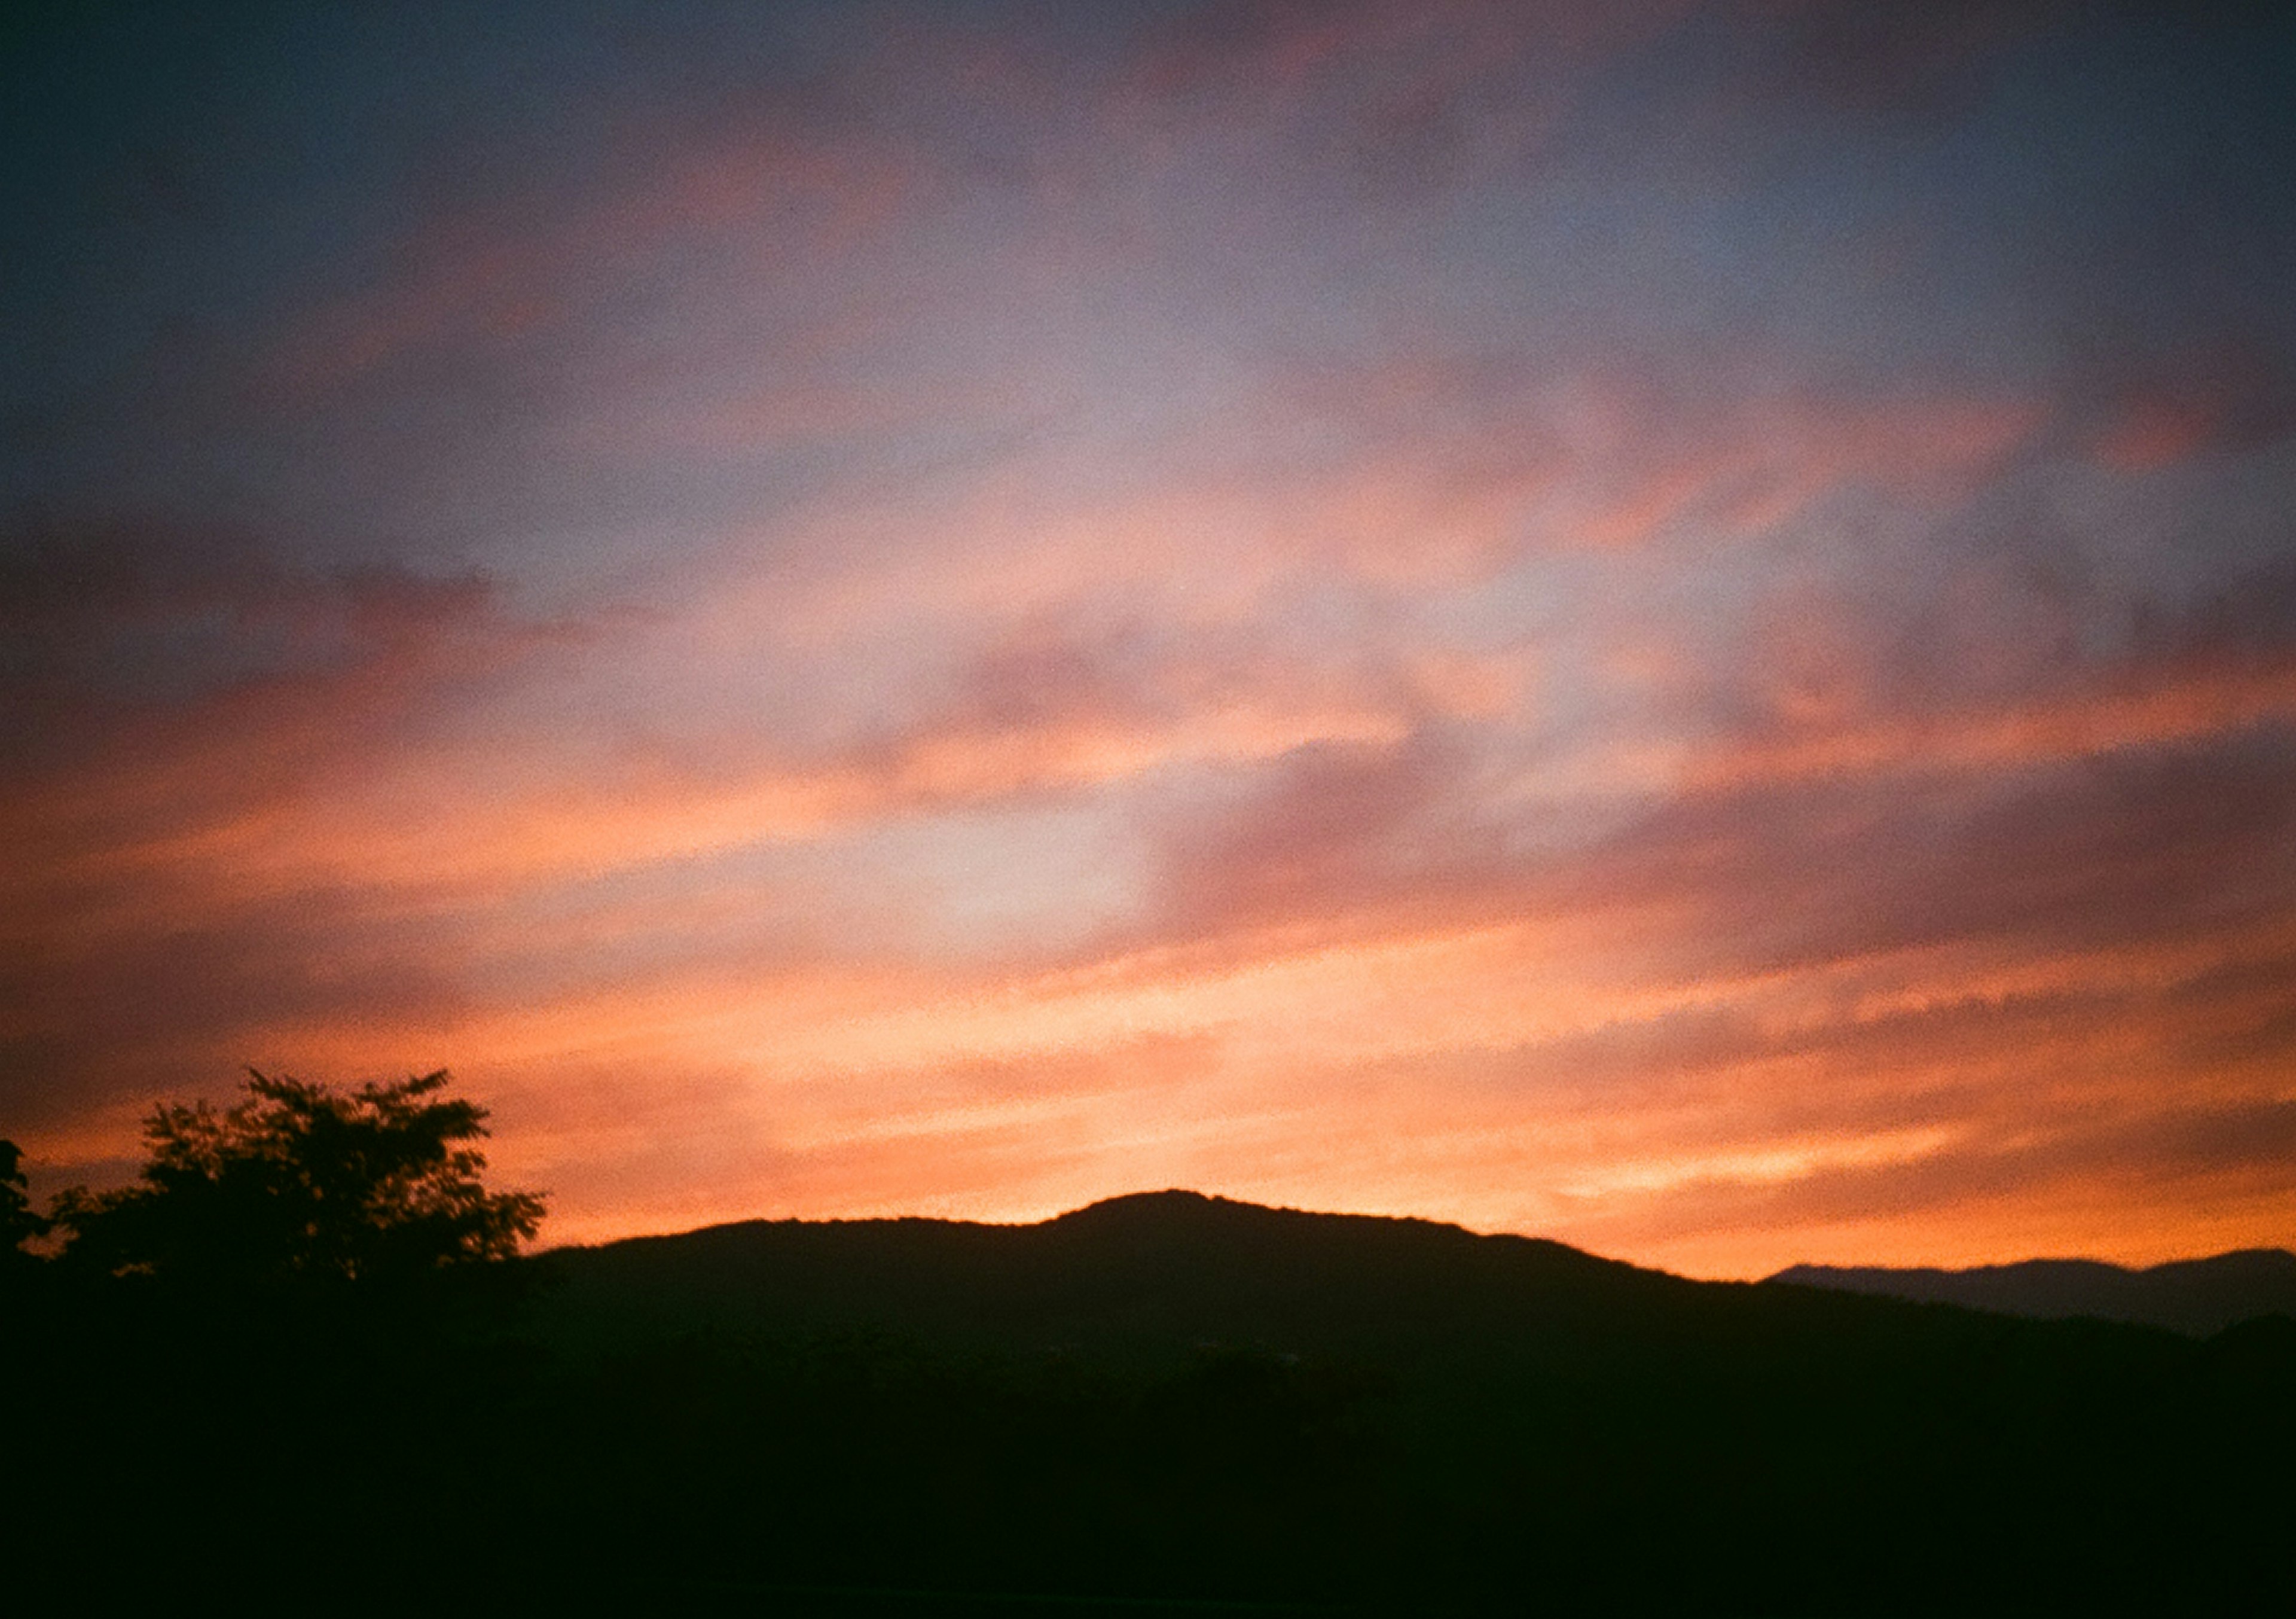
<point x="1145" y="1277"/>
<point x="1165" y="1402"/>
<point x="2199" y="1297"/>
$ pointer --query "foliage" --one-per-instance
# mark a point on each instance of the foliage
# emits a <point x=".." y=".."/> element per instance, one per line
<point x="19" y="1224"/>
<point x="300" y="1184"/>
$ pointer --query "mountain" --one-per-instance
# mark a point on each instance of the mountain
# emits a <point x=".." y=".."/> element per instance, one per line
<point x="1163" y="1401"/>
<point x="2197" y="1297"/>
<point x="1145" y="1277"/>
<point x="1181" y="1396"/>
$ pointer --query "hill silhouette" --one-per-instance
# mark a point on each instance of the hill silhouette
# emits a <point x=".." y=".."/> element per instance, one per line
<point x="1147" y="1278"/>
<point x="1319" y="1406"/>
<point x="2197" y="1296"/>
<point x="1170" y="1398"/>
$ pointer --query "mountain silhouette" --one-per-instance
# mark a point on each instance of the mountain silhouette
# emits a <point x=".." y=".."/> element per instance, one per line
<point x="1326" y="1404"/>
<point x="1151" y="1274"/>
<point x="1161" y="1400"/>
<point x="2198" y="1296"/>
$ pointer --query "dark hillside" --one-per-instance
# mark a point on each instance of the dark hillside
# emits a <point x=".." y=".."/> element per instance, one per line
<point x="1514" y="1413"/>
<point x="2197" y="1297"/>
<point x="1152" y="1275"/>
<point x="1168" y="1399"/>
<point x="1154" y="1279"/>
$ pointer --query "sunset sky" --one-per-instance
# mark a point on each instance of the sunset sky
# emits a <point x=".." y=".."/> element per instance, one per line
<point x="1670" y="625"/>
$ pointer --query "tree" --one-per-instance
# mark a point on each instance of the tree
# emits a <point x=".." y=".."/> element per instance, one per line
<point x="301" y="1186"/>
<point x="19" y="1224"/>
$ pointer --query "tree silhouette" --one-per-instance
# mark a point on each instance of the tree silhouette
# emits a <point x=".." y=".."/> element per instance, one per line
<point x="301" y="1186"/>
<point x="19" y="1224"/>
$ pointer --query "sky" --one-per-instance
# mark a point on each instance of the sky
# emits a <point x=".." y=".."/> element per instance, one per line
<point x="1668" y="623"/>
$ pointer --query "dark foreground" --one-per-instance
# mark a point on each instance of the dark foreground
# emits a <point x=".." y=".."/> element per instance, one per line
<point x="1159" y="1405"/>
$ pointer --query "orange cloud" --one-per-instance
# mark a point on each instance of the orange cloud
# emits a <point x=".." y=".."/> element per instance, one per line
<point x="2185" y="706"/>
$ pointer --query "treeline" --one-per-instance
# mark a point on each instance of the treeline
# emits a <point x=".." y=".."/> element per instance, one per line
<point x="301" y="1361"/>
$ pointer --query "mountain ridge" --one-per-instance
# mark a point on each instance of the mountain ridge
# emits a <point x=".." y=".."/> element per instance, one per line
<point x="2198" y="1297"/>
<point x="1173" y="1399"/>
<point x="1147" y="1275"/>
<point x="1147" y="1271"/>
